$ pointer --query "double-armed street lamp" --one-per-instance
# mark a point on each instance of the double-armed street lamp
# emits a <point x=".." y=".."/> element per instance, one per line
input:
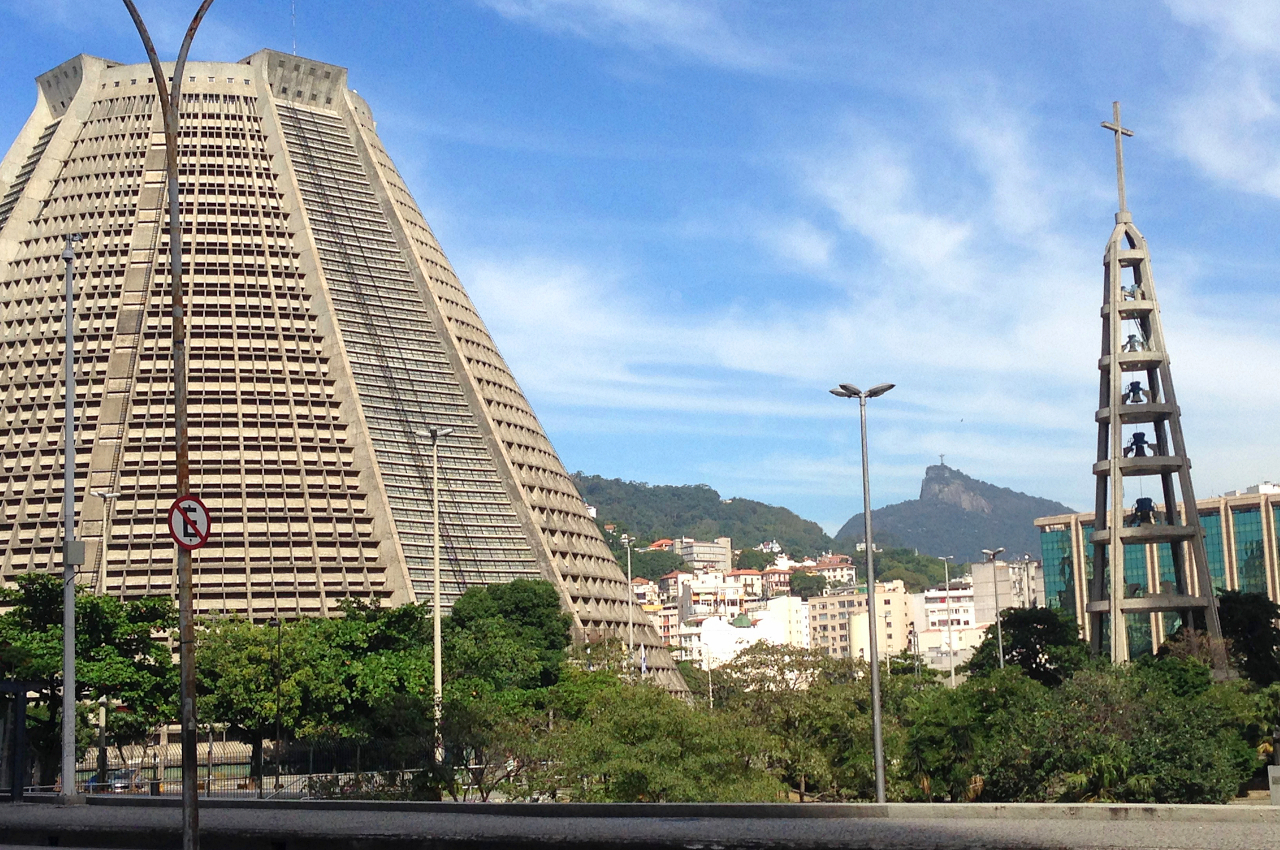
<point x="437" y="694"/>
<point x="995" y="584"/>
<point x="850" y="391"/>
<point x="951" y="650"/>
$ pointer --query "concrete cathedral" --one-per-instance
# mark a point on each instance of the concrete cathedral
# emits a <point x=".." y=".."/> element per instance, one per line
<point x="328" y="334"/>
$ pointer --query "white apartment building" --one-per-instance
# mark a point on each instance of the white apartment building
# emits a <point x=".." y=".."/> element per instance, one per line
<point x="646" y="591"/>
<point x="931" y="610"/>
<point x="793" y="613"/>
<point x="717" y="555"/>
<point x="838" y="570"/>
<point x="751" y="582"/>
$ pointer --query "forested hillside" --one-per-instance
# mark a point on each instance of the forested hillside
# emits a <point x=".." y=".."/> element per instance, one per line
<point x="652" y="512"/>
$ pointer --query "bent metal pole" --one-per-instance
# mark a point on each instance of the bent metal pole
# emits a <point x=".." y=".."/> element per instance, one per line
<point x="170" y="107"/>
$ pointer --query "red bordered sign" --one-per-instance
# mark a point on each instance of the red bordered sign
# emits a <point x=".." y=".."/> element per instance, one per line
<point x="189" y="522"/>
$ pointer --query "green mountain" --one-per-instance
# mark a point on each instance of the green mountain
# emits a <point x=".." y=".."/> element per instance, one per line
<point x="653" y="512"/>
<point x="958" y="515"/>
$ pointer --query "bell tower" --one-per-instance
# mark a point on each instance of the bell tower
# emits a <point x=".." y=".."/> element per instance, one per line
<point x="1149" y="562"/>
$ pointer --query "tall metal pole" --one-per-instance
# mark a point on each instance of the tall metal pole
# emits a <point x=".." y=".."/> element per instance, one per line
<point x="171" y="105"/>
<point x="995" y="581"/>
<point x="631" y="593"/>
<point x="951" y="650"/>
<point x="437" y="662"/>
<point x="72" y="550"/>
<point x="877" y="728"/>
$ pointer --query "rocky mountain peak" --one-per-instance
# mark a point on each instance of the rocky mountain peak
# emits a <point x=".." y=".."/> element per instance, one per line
<point x="952" y="487"/>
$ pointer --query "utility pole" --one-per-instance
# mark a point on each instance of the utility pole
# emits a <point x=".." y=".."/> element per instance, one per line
<point x="72" y="549"/>
<point x="171" y="106"/>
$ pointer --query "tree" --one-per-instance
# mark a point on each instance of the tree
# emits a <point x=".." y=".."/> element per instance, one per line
<point x="527" y="611"/>
<point x="805" y="584"/>
<point x="117" y="656"/>
<point x="636" y="743"/>
<point x="1044" y="642"/>
<point x="1249" y="622"/>
<point x="655" y="564"/>
<point x="752" y="559"/>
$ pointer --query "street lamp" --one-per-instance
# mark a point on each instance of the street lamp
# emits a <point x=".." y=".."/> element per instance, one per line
<point x="72" y="549"/>
<point x="274" y="623"/>
<point x="850" y="391"/>
<point x="995" y="583"/>
<point x="437" y="695"/>
<point x="951" y="649"/>
<point x="102" y="742"/>
<point x="627" y="540"/>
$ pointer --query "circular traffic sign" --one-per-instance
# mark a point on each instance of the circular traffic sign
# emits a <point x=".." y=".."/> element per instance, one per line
<point x="189" y="522"/>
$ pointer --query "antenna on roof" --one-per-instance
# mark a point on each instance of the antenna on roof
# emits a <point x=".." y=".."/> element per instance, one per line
<point x="293" y="15"/>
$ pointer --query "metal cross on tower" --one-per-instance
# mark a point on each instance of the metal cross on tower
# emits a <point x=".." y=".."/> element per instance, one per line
<point x="1149" y="564"/>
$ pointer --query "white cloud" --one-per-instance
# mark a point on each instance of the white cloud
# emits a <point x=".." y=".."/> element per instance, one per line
<point x="693" y="28"/>
<point x="1250" y="25"/>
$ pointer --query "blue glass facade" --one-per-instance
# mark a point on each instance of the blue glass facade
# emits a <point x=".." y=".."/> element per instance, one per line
<point x="1212" y="525"/>
<point x="1059" y="575"/>
<point x="1251" y="564"/>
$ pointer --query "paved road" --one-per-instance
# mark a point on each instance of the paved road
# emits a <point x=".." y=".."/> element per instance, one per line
<point x="142" y="828"/>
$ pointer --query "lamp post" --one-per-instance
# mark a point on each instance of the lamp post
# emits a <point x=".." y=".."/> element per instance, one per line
<point x="627" y="540"/>
<point x="72" y="549"/>
<point x="951" y="649"/>
<point x="170" y="101"/>
<point x="274" y="623"/>
<point x="995" y="584"/>
<point x="850" y="391"/>
<point x="437" y="694"/>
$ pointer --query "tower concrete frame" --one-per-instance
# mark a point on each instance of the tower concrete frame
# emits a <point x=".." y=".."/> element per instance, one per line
<point x="328" y="331"/>
<point x="1139" y="439"/>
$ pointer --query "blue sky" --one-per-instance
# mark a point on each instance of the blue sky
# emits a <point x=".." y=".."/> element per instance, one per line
<point x="685" y="220"/>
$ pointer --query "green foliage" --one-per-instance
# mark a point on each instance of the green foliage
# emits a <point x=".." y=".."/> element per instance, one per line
<point x="752" y="559"/>
<point x="1044" y="642"/>
<point x="654" y="512"/>
<point x="805" y="584"/>
<point x="1140" y="733"/>
<point x="117" y="657"/>
<point x="656" y="564"/>
<point x="636" y="743"/>
<point x="917" y="572"/>
<point x="1249" y="623"/>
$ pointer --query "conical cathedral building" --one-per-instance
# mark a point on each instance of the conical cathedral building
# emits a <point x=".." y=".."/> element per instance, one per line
<point x="328" y="334"/>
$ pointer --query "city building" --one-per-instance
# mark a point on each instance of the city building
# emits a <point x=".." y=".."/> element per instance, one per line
<point x="327" y="333"/>
<point x="1021" y="585"/>
<point x="1240" y="529"/>
<point x="701" y="554"/>
<point x="838" y="570"/>
<point x="793" y="613"/>
<point x="838" y="622"/>
<point x="751" y="582"/>
<point x="777" y="581"/>
<point x="930" y="613"/>
<point x="646" y="591"/>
